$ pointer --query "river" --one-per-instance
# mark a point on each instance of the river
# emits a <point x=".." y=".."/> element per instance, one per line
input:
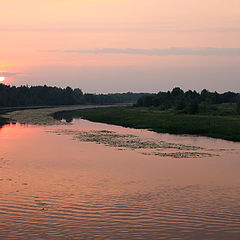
<point x="98" y="181"/>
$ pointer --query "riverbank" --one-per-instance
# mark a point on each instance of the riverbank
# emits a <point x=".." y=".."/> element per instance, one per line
<point x="224" y="127"/>
<point x="40" y="115"/>
<point x="6" y="112"/>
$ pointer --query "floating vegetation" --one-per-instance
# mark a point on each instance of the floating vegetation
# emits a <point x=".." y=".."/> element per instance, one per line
<point x="184" y="154"/>
<point x="3" y="162"/>
<point x="129" y="141"/>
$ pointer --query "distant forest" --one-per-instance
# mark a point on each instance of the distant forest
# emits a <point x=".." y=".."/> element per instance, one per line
<point x="190" y="102"/>
<point x="11" y="96"/>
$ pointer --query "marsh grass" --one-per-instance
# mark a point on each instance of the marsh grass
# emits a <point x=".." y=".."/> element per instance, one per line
<point x="42" y="116"/>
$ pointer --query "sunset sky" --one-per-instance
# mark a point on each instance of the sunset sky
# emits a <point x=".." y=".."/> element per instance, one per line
<point x="121" y="45"/>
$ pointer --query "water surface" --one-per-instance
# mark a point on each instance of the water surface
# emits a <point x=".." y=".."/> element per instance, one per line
<point x="54" y="185"/>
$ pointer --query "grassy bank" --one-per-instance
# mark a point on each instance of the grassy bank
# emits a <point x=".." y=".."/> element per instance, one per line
<point x="225" y="127"/>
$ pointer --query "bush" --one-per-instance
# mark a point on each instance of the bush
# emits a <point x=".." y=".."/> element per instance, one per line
<point x="192" y="108"/>
<point x="238" y="107"/>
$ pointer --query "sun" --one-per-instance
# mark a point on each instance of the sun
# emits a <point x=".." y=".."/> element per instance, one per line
<point x="2" y="79"/>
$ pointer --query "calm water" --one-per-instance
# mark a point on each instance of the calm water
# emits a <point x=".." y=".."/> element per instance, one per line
<point x="57" y="187"/>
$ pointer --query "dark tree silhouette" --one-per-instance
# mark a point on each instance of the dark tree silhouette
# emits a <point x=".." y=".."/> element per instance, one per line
<point x="11" y="96"/>
<point x="188" y="101"/>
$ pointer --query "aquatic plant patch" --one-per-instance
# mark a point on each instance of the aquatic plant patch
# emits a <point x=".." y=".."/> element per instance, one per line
<point x="142" y="146"/>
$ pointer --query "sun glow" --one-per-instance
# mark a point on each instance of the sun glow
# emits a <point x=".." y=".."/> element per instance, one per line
<point x="2" y="79"/>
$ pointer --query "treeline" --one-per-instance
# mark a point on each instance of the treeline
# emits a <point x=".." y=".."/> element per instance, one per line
<point x="11" y="96"/>
<point x="190" y="102"/>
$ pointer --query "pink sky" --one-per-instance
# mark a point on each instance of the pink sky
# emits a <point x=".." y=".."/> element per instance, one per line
<point x="122" y="45"/>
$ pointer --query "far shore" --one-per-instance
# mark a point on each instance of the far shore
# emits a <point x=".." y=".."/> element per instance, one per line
<point x="41" y="115"/>
<point x="222" y="127"/>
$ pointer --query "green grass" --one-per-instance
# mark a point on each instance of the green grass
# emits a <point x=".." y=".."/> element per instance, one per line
<point x="225" y="127"/>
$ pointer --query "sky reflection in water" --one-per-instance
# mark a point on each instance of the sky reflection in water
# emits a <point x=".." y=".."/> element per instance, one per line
<point x="54" y="187"/>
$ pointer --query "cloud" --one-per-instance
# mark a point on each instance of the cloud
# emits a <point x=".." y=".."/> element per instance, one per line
<point x="8" y="74"/>
<point x="124" y="27"/>
<point x="208" y="51"/>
